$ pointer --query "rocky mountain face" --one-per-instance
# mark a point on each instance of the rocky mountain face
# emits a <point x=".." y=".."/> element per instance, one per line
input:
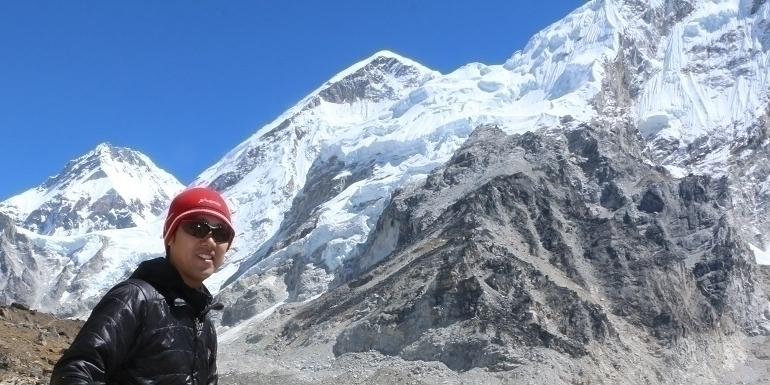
<point x="20" y="270"/>
<point x="564" y="249"/>
<point x="372" y="82"/>
<point x="26" y="264"/>
<point x="108" y="188"/>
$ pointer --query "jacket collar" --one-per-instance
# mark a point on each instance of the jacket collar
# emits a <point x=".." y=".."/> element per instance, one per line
<point x="164" y="277"/>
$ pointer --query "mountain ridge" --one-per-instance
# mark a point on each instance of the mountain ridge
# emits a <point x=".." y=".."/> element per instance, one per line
<point x="511" y="273"/>
<point x="114" y="187"/>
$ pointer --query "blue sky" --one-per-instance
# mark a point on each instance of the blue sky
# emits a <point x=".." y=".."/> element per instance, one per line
<point x="186" y="81"/>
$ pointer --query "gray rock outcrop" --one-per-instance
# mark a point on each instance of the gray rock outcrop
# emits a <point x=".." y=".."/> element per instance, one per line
<point x="547" y="248"/>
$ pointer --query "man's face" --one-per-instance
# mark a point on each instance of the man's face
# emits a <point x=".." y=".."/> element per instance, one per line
<point x="196" y="258"/>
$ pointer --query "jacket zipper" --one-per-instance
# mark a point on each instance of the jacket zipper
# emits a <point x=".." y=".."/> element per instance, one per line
<point x="195" y="350"/>
<point x="196" y="336"/>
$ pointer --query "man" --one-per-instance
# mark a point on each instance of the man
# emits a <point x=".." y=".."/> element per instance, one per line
<point x="154" y="327"/>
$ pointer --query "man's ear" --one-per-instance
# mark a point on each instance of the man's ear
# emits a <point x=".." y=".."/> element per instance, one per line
<point x="168" y="244"/>
<point x="171" y="240"/>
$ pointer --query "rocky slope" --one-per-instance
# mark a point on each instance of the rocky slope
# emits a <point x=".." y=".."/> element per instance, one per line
<point x="562" y="252"/>
<point x="30" y="344"/>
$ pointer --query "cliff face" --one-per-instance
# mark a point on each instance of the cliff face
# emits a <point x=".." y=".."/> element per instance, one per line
<point x="535" y="248"/>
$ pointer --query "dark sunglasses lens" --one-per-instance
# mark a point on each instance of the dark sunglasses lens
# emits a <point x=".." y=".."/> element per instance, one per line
<point x="200" y="230"/>
<point x="196" y="229"/>
<point x="221" y="234"/>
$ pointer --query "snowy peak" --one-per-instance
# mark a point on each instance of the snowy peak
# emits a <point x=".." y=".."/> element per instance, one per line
<point x="361" y="92"/>
<point x="108" y="188"/>
<point x="380" y="77"/>
<point x="95" y="165"/>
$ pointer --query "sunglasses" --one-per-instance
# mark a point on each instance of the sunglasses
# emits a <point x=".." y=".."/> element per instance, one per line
<point x="200" y="230"/>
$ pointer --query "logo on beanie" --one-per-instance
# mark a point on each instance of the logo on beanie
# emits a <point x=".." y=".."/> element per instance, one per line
<point x="210" y="201"/>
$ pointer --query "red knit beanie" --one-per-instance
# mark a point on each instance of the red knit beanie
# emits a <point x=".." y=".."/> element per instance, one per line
<point x="193" y="201"/>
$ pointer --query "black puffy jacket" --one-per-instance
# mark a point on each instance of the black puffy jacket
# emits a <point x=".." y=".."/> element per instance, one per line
<point x="145" y="334"/>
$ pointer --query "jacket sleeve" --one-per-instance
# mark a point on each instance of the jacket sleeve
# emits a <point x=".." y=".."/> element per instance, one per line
<point x="103" y="344"/>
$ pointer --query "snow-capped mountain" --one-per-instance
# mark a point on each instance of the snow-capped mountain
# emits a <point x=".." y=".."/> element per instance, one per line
<point x="108" y="188"/>
<point x="654" y="64"/>
<point x="309" y="188"/>
<point x="66" y="239"/>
